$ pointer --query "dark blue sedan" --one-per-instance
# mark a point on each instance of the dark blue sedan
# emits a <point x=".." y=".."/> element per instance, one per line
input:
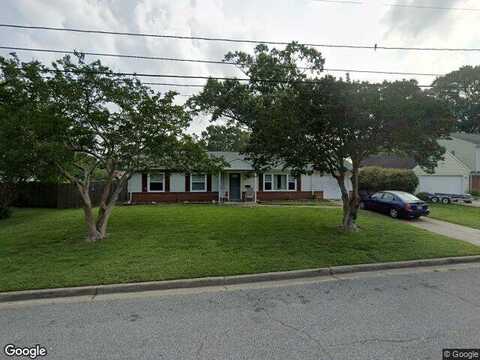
<point x="396" y="204"/>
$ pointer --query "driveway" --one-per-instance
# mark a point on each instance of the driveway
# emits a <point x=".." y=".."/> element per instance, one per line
<point x="448" y="229"/>
<point x="399" y="314"/>
<point x="475" y="203"/>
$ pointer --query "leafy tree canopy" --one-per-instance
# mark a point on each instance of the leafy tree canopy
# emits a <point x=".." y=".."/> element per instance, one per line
<point x="299" y="120"/>
<point x="225" y="138"/>
<point x="83" y="120"/>
<point x="461" y="90"/>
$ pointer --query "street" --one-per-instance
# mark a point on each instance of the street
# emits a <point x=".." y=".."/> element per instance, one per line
<point x="397" y="314"/>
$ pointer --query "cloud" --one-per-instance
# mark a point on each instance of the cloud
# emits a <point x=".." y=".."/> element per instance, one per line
<point x="302" y="20"/>
<point x="412" y="22"/>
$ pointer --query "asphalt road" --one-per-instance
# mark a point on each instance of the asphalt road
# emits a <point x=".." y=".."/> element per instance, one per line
<point x="399" y="314"/>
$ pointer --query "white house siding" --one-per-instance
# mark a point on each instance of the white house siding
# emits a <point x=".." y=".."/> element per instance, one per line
<point x="135" y="183"/>
<point x="214" y="183"/>
<point x="450" y="176"/>
<point x="326" y="183"/>
<point x="477" y="159"/>
<point x="314" y="182"/>
<point x="177" y="182"/>
<point x="463" y="150"/>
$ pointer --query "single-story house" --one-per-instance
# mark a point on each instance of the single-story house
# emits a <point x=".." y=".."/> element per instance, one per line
<point x="238" y="181"/>
<point x="458" y="173"/>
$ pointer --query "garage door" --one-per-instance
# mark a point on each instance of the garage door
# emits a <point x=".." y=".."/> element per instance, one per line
<point x="329" y="186"/>
<point x="441" y="184"/>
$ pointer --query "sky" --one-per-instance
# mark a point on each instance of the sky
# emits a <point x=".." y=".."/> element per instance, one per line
<point x="359" y="22"/>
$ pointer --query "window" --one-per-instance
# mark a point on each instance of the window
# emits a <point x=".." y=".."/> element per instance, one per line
<point x="268" y="182"/>
<point x="292" y="183"/>
<point x="156" y="182"/>
<point x="388" y="197"/>
<point x="376" y="196"/>
<point x="279" y="182"/>
<point x="198" y="182"/>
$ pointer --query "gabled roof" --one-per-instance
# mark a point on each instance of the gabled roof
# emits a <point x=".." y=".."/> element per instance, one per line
<point x="235" y="160"/>
<point x="472" y="138"/>
<point x="390" y="161"/>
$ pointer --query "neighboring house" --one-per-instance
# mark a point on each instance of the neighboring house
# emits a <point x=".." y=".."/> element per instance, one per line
<point x="458" y="173"/>
<point x="237" y="182"/>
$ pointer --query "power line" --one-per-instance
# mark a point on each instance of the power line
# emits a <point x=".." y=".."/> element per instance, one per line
<point x="204" y="77"/>
<point x="429" y="7"/>
<point x="202" y="61"/>
<point x="173" y="84"/>
<point x="232" y="40"/>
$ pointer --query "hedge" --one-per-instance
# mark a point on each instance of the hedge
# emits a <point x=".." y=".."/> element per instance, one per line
<point x="374" y="178"/>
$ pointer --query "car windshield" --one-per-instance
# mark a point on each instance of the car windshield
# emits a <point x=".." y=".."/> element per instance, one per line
<point x="407" y="197"/>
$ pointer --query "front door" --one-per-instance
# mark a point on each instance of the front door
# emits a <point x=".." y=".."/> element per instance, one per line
<point x="235" y="187"/>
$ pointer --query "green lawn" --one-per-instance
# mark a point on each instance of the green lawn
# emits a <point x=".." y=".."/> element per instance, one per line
<point x="42" y="248"/>
<point x="458" y="214"/>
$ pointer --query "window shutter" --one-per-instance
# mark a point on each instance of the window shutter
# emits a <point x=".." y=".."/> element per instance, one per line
<point x="299" y="182"/>
<point x="260" y="182"/>
<point x="144" y="182"/>
<point x="167" y="182"/>
<point x="187" y="182"/>
<point x="209" y="183"/>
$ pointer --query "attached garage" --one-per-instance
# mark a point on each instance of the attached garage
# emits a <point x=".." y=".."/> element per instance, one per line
<point x="441" y="184"/>
<point x="324" y="183"/>
<point x="451" y="176"/>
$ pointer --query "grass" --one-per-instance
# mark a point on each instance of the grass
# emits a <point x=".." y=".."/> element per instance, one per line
<point x="457" y="214"/>
<point x="301" y="202"/>
<point x="42" y="248"/>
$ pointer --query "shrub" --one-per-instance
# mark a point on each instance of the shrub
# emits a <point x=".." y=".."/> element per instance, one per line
<point x="374" y="178"/>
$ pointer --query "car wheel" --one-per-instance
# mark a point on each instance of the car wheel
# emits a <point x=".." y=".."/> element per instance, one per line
<point x="362" y="205"/>
<point x="445" y="201"/>
<point x="394" y="213"/>
<point x="434" y="199"/>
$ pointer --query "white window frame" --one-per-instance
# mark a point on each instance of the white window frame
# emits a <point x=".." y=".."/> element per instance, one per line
<point x="273" y="182"/>
<point x="164" y="179"/>
<point x="191" y="183"/>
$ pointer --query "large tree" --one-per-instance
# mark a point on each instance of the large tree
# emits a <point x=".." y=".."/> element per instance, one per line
<point x="225" y="138"/>
<point x="461" y="90"/>
<point x="87" y="118"/>
<point x="304" y="122"/>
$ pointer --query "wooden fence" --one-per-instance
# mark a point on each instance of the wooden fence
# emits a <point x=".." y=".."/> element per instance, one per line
<point x="61" y="196"/>
<point x="475" y="185"/>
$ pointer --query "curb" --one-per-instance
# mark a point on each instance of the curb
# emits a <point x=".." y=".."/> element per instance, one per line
<point x="226" y="280"/>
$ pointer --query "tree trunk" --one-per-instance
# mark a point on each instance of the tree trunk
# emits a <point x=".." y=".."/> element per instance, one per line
<point x="350" y="201"/>
<point x="92" y="233"/>
<point x="107" y="204"/>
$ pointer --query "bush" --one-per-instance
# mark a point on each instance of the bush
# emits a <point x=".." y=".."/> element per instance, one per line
<point x="374" y="178"/>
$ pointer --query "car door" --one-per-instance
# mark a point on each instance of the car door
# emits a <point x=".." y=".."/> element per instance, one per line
<point x="386" y="202"/>
<point x="375" y="201"/>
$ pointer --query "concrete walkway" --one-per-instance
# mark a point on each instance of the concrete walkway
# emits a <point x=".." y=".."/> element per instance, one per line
<point x="448" y="229"/>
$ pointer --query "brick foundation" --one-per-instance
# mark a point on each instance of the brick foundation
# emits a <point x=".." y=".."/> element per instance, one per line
<point x="172" y="197"/>
<point x="289" y="195"/>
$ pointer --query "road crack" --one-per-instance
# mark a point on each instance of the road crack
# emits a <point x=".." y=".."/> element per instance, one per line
<point x="300" y="331"/>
